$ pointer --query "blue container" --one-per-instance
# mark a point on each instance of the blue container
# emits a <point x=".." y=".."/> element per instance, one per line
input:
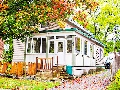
<point x="69" y="70"/>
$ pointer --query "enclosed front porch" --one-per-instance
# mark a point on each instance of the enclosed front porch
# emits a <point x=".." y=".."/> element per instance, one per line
<point x="71" y="48"/>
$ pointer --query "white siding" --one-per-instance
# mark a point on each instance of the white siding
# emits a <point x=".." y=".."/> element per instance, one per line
<point x="18" y="54"/>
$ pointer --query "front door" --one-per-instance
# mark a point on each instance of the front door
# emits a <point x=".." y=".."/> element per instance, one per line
<point x="60" y="52"/>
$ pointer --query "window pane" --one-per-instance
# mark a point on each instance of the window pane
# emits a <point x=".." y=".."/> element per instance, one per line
<point x="29" y="45"/>
<point x="37" y="43"/>
<point x="51" y="48"/>
<point x="101" y="52"/>
<point x="91" y="50"/>
<point x="34" y="44"/>
<point x="85" y="48"/>
<point x="77" y="44"/>
<point x="43" y="45"/>
<point x="60" y="46"/>
<point x="81" y="46"/>
<point x="69" y="46"/>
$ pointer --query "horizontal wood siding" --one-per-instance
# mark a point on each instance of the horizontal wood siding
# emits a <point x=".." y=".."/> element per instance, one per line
<point x="18" y="54"/>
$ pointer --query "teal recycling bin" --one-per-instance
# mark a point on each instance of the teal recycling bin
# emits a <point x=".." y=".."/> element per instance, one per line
<point x="69" y="70"/>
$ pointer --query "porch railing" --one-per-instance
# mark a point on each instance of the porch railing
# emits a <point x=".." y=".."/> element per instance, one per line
<point x="43" y="64"/>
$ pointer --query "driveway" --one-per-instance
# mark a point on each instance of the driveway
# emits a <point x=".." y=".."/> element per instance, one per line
<point x="88" y="82"/>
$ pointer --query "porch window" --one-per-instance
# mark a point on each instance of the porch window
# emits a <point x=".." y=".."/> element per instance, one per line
<point x="29" y="45"/>
<point x="43" y="45"/>
<point x="85" y="47"/>
<point x="51" y="48"/>
<point x="92" y="50"/>
<point x="69" y="46"/>
<point x="77" y="44"/>
<point x="60" y="46"/>
<point x="81" y="47"/>
<point x="101" y="53"/>
<point x="37" y="44"/>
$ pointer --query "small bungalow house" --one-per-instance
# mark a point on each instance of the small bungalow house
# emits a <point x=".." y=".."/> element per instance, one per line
<point x="75" y="47"/>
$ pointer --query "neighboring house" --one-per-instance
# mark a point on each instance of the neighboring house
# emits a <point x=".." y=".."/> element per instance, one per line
<point x="1" y="48"/>
<point x="75" y="47"/>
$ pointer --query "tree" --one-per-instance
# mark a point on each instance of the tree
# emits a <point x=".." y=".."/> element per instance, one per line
<point x="20" y="18"/>
<point x="107" y="20"/>
<point x="85" y="10"/>
<point x="102" y="22"/>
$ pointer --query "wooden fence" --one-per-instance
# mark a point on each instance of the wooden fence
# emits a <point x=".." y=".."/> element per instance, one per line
<point x="18" y="68"/>
<point x="15" y="68"/>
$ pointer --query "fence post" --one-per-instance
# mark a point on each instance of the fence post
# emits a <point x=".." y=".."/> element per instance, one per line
<point x="36" y="63"/>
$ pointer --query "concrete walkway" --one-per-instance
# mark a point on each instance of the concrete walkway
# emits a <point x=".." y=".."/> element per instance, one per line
<point x="89" y="82"/>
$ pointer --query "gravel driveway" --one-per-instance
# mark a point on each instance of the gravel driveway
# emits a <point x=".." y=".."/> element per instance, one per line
<point x="89" y="82"/>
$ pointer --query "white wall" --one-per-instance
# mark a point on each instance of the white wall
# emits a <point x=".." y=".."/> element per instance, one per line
<point x="79" y="60"/>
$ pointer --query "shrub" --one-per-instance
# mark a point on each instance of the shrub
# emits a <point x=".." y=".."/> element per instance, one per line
<point x="98" y="69"/>
<point x="115" y="85"/>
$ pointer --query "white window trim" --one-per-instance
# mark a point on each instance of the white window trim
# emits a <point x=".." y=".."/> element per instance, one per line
<point x="66" y="45"/>
<point x="49" y="45"/>
<point x="41" y="44"/>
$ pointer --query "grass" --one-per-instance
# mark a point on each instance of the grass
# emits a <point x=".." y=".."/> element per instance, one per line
<point x="9" y="83"/>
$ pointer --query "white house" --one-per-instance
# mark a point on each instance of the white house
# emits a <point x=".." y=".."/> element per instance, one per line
<point x="75" y="47"/>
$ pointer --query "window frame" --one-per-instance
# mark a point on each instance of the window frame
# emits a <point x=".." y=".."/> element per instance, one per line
<point x="85" y="49"/>
<point x="76" y="43"/>
<point x="49" y="46"/>
<point x="42" y="44"/>
<point x="67" y="45"/>
<point x="92" y="52"/>
<point x="32" y="45"/>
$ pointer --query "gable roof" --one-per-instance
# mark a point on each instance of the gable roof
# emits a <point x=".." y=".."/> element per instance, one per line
<point x="77" y="25"/>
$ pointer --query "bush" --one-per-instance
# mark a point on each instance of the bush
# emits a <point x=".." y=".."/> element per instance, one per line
<point x="115" y="85"/>
<point x="91" y="71"/>
<point x="98" y="69"/>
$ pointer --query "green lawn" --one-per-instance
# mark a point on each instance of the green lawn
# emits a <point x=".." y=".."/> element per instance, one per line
<point x="9" y="83"/>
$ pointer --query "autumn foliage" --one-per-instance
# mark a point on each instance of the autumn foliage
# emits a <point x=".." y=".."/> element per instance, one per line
<point x="21" y="17"/>
<point x="81" y="15"/>
<point x="3" y="7"/>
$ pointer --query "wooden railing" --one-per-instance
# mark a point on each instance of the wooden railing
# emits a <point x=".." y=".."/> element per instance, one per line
<point x="44" y="64"/>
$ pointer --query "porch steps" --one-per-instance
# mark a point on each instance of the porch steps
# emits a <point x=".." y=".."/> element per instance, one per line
<point x="61" y="73"/>
<point x="57" y="72"/>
